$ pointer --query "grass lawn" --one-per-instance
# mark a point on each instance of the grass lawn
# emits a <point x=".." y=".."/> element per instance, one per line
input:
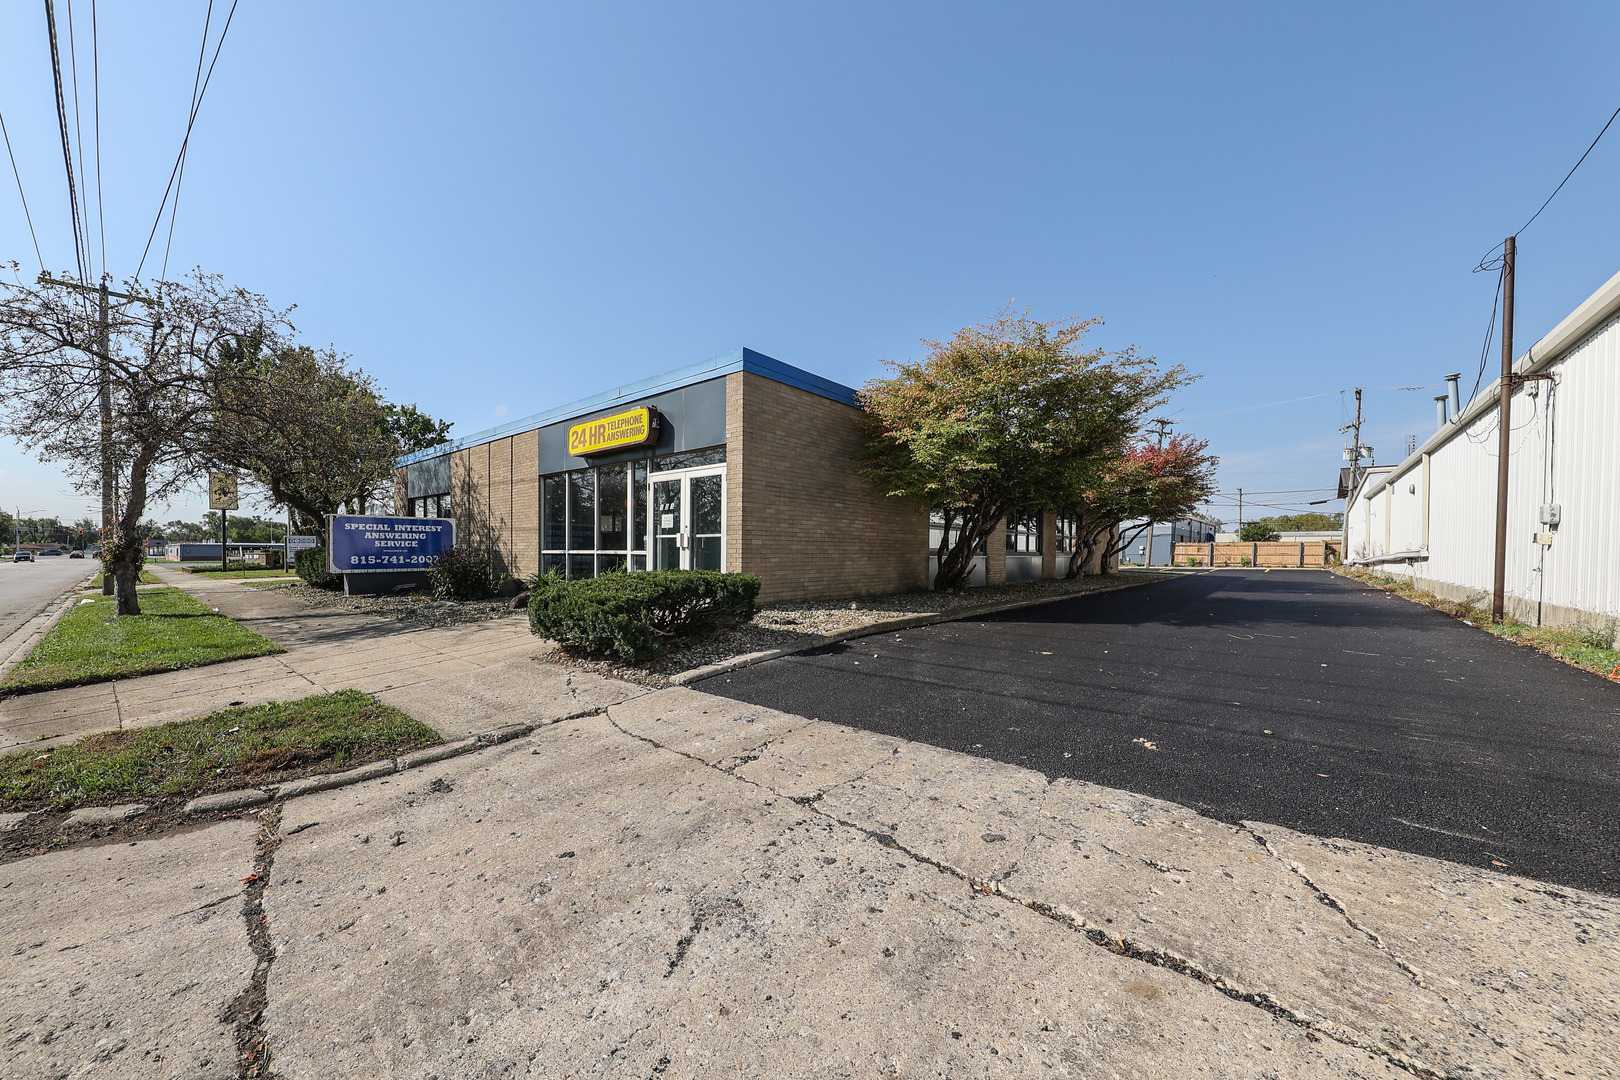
<point x="229" y="574"/>
<point x="146" y="578"/>
<point x="1589" y="647"/>
<point x="229" y="749"/>
<point x="92" y="645"/>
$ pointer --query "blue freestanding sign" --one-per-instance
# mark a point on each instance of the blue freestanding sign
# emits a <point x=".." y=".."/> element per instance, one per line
<point x="377" y="545"/>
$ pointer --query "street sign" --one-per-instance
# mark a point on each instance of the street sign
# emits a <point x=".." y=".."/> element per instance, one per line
<point x="222" y="491"/>
<point x="374" y="545"/>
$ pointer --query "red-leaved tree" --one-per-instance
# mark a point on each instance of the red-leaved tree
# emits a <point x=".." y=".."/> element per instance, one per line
<point x="1159" y="483"/>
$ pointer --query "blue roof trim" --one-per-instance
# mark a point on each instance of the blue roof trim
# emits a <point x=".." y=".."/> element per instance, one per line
<point x="756" y="363"/>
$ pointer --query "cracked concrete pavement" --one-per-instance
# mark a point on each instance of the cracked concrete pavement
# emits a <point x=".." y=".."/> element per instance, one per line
<point x="684" y="885"/>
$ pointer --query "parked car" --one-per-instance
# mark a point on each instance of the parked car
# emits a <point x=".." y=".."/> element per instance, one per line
<point x="75" y="554"/>
<point x="23" y="556"/>
<point x="50" y="551"/>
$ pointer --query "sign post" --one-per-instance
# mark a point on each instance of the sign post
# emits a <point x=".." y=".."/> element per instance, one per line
<point x="222" y="496"/>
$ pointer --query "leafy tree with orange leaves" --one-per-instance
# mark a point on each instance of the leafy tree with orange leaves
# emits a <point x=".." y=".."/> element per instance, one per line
<point x="1011" y="413"/>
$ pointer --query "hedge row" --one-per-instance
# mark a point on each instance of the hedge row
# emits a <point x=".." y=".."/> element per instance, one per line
<point x="636" y="616"/>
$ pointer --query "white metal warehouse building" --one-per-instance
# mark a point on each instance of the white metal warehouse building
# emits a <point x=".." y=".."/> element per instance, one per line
<point x="1433" y="516"/>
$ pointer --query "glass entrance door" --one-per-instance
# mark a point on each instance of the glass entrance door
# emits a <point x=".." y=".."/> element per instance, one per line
<point x="688" y="520"/>
<point x="669" y="514"/>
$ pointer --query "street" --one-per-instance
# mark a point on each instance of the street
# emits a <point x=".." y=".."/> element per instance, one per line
<point x="25" y="588"/>
<point x="1292" y="697"/>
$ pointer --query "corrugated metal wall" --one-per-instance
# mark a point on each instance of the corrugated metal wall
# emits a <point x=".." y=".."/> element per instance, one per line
<point x="1565" y="449"/>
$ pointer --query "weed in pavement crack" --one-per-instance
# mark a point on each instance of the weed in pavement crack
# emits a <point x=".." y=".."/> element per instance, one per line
<point x="246" y="1011"/>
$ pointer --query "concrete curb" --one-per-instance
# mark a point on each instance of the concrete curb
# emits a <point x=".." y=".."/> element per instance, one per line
<point x="241" y="798"/>
<point x="911" y="622"/>
<point x="16" y="648"/>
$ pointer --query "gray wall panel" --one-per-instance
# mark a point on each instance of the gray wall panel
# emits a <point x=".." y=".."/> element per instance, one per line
<point x="693" y="417"/>
<point x="430" y="477"/>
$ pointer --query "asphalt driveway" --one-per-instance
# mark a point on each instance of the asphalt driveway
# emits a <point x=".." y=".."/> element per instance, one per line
<point x="1293" y="697"/>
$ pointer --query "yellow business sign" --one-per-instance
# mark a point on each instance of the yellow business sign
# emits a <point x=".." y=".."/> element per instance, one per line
<point x="633" y="427"/>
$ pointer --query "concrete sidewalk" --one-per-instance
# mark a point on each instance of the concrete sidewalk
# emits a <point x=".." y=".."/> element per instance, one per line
<point x="448" y="677"/>
<point x="689" y="886"/>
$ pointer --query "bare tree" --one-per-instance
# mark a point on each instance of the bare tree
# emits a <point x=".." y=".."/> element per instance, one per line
<point x="162" y="355"/>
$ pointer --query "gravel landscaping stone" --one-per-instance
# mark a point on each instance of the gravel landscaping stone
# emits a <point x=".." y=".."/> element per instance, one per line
<point x="414" y="609"/>
<point x="11" y="821"/>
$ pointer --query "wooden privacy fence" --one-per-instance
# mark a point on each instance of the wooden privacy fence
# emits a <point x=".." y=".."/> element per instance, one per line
<point x="1263" y="553"/>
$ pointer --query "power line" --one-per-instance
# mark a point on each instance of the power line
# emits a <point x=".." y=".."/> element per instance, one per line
<point x="174" y="210"/>
<point x="67" y="150"/>
<point x="78" y="137"/>
<point x="1567" y="175"/>
<point x="26" y="215"/>
<point x="1490" y="335"/>
<point x="1487" y="263"/>
<point x="192" y="120"/>
<point x="95" y="69"/>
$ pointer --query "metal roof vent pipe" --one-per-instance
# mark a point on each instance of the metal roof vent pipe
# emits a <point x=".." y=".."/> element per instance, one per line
<point x="1440" y="410"/>
<point x="1453" y="389"/>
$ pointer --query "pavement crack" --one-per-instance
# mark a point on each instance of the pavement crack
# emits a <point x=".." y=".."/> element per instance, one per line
<point x="1329" y="900"/>
<point x="1119" y="946"/>
<point x="205" y="907"/>
<point x="246" y="1011"/>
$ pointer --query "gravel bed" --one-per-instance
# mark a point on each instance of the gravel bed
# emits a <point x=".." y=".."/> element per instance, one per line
<point x="788" y="625"/>
<point x="415" y="609"/>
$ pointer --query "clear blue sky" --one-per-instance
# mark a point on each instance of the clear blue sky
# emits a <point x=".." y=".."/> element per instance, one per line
<point x="503" y="207"/>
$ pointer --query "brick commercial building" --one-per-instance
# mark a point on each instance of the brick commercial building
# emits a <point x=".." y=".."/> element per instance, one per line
<point x="741" y="463"/>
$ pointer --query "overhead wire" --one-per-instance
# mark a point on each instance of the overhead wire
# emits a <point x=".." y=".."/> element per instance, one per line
<point x="78" y="139"/>
<point x="67" y="149"/>
<point x="190" y="122"/>
<point x="95" y="91"/>
<point x="174" y="209"/>
<point x="27" y="216"/>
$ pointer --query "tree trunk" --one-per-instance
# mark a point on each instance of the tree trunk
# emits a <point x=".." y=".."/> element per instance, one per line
<point x="956" y="557"/>
<point x="128" y="557"/>
<point x="127" y="551"/>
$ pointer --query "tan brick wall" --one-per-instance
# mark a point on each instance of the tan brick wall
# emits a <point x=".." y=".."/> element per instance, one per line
<point x="995" y="555"/>
<point x="500" y="505"/>
<point x="796" y="512"/>
<point x="470" y="497"/>
<point x="525" y="515"/>
<point x="1048" y="544"/>
<point x="401" y="499"/>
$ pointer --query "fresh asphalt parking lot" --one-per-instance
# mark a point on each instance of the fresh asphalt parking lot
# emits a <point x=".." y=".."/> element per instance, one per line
<point x="1293" y="697"/>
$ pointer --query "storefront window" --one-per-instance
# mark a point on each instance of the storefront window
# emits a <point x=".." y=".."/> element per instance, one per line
<point x="936" y="526"/>
<point x="429" y="506"/>
<point x="581" y="512"/>
<point x="594" y="521"/>
<point x="553" y="514"/>
<point x="1068" y="534"/>
<point x="1024" y="532"/>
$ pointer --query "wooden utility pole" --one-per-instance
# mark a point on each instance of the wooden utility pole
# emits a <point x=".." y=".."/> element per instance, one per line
<point x="104" y="395"/>
<point x="1510" y="248"/>
<point x="1163" y="424"/>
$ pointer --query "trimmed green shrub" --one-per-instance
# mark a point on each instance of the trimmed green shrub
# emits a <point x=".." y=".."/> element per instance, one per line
<point x="636" y="616"/>
<point x="463" y="574"/>
<point x="310" y="564"/>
